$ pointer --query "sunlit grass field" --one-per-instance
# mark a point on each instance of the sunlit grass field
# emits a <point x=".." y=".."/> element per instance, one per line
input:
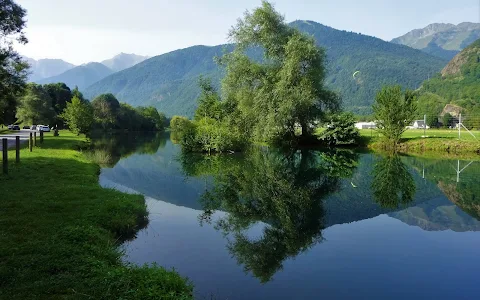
<point x="429" y="133"/>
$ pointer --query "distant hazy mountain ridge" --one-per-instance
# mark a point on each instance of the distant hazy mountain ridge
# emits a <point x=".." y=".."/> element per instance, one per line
<point x="123" y="61"/>
<point x="44" y="68"/>
<point x="83" y="75"/>
<point x="442" y="40"/>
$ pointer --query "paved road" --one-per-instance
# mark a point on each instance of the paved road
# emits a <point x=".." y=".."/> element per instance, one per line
<point x="24" y="134"/>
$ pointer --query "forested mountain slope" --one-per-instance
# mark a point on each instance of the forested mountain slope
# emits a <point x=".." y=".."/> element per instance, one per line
<point x="458" y="83"/>
<point x="169" y="81"/>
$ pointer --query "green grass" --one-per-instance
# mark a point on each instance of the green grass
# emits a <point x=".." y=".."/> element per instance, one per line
<point x="60" y="231"/>
<point x="4" y="130"/>
<point x="430" y="133"/>
<point x="443" y="142"/>
<point x="436" y="142"/>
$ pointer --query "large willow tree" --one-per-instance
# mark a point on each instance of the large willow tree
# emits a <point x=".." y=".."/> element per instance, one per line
<point x="269" y="97"/>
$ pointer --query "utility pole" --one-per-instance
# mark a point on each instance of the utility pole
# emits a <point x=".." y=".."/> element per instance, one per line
<point x="424" y="125"/>
<point x="459" y="124"/>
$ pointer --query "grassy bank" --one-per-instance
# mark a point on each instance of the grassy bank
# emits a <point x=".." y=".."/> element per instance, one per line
<point x="60" y="231"/>
<point x="441" y="142"/>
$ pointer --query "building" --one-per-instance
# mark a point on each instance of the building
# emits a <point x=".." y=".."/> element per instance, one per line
<point x="418" y="124"/>
<point x="366" y="125"/>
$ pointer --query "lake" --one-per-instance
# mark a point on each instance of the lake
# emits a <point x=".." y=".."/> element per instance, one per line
<point x="272" y="224"/>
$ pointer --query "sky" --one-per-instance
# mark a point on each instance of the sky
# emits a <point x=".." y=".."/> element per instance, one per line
<point x="95" y="30"/>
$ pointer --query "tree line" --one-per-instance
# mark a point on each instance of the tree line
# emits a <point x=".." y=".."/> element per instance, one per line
<point x="55" y="104"/>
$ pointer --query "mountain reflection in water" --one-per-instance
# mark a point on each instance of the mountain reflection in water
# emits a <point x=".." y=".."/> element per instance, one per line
<point x="270" y="206"/>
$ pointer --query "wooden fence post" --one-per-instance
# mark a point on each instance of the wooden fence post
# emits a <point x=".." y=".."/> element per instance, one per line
<point x="5" y="155"/>
<point x="41" y="137"/>
<point x="35" y="139"/>
<point x="17" y="149"/>
<point x="30" y="142"/>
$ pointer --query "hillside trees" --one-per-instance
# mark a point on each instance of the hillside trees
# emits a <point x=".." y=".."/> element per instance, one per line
<point x="105" y="108"/>
<point x="13" y="69"/>
<point x="209" y="101"/>
<point x="394" y="110"/>
<point x="60" y="94"/>
<point x="152" y="119"/>
<point x="35" y="107"/>
<point x="458" y="84"/>
<point x="78" y="114"/>
<point x="109" y="114"/>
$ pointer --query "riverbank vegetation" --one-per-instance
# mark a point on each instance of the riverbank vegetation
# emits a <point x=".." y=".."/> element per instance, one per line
<point x="60" y="231"/>
<point x="56" y="104"/>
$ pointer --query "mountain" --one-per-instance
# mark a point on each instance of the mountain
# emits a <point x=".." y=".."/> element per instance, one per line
<point x="123" y="61"/>
<point x="442" y="40"/>
<point x="81" y="76"/>
<point x="458" y="84"/>
<point x="44" y="68"/>
<point x="169" y="81"/>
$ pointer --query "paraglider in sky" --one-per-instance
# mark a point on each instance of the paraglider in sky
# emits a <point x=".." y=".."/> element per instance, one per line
<point x="357" y="76"/>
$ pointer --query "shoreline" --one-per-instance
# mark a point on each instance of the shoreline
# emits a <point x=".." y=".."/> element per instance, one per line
<point x="62" y="230"/>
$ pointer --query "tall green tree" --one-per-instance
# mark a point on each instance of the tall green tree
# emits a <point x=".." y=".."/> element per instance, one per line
<point x="60" y="94"/>
<point x="78" y="115"/>
<point x="13" y="69"/>
<point x="128" y="118"/>
<point x="105" y="109"/>
<point x="35" y="107"/>
<point x="209" y="105"/>
<point x="152" y="119"/>
<point x="269" y="98"/>
<point x="394" y="110"/>
<point x="447" y="120"/>
<point x="432" y="121"/>
<point x="76" y="93"/>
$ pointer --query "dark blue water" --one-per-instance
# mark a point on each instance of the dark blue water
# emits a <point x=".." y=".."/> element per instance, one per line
<point x="307" y="224"/>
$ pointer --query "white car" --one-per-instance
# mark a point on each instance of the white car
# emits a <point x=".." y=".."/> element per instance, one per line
<point x="43" y="128"/>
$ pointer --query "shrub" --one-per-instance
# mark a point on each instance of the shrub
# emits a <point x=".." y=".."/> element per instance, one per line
<point x="341" y="130"/>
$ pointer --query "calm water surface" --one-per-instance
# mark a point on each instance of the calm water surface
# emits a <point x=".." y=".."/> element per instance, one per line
<point x="305" y="224"/>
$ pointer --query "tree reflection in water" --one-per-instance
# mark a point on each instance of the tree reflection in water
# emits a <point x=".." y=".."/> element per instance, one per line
<point x="114" y="146"/>
<point x="284" y="191"/>
<point x="392" y="184"/>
